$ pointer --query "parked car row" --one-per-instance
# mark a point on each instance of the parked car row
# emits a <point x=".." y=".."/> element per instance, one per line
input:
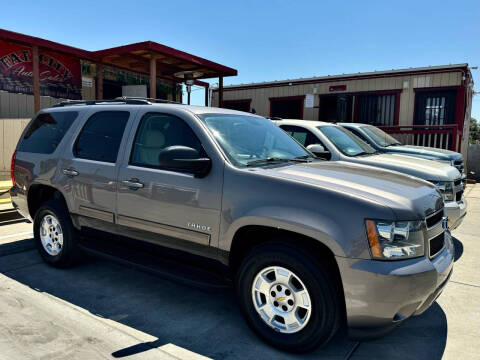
<point x="334" y="142"/>
<point x="309" y="245"/>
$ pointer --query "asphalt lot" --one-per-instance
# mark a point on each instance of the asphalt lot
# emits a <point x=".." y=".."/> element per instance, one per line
<point x="101" y="310"/>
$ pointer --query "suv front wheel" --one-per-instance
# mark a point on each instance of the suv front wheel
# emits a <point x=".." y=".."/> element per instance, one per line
<point x="288" y="297"/>
<point x="55" y="236"/>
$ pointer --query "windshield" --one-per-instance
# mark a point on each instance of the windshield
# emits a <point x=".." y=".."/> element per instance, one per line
<point x="380" y="137"/>
<point x="348" y="143"/>
<point x="245" y="139"/>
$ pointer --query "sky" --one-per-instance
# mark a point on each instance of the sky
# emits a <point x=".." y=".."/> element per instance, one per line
<point x="270" y="40"/>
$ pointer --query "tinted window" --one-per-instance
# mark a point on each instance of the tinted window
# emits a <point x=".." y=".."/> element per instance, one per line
<point x="46" y="131"/>
<point x="356" y="132"/>
<point x="303" y="136"/>
<point x="101" y="136"/>
<point x="155" y="133"/>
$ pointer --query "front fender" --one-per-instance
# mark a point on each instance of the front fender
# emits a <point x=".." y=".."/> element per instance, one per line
<point x="296" y="220"/>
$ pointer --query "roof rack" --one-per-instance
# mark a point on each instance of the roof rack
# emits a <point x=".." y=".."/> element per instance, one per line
<point x="119" y="100"/>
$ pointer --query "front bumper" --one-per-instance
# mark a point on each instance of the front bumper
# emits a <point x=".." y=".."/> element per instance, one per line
<point x="455" y="211"/>
<point x="379" y="295"/>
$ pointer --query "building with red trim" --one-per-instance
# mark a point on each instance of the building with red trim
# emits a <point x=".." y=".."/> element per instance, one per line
<point x="421" y="105"/>
<point x="36" y="73"/>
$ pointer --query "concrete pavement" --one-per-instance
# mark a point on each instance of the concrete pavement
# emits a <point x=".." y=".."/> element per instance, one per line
<point x="101" y="310"/>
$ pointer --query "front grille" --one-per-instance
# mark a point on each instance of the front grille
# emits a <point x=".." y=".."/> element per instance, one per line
<point x="458" y="196"/>
<point x="436" y="244"/>
<point x="434" y="219"/>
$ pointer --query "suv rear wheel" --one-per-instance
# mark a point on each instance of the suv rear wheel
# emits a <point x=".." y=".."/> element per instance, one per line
<point x="55" y="236"/>
<point x="288" y="297"/>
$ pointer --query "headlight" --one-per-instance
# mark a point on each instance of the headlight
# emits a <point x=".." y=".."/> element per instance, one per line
<point x="392" y="240"/>
<point x="445" y="188"/>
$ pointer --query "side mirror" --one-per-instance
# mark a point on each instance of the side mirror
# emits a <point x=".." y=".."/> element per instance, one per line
<point x="318" y="150"/>
<point x="184" y="159"/>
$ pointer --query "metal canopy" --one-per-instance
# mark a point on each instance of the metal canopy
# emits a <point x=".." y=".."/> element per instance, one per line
<point x="137" y="57"/>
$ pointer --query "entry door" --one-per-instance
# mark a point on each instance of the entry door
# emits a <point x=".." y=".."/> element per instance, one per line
<point x="90" y="171"/>
<point x="161" y="206"/>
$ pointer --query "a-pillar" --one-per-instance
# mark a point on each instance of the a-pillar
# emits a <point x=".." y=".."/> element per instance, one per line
<point x="36" y="79"/>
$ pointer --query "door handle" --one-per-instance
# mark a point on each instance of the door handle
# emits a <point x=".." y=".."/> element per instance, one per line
<point x="70" y="172"/>
<point x="133" y="184"/>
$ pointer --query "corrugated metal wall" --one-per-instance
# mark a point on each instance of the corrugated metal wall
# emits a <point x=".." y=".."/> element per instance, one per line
<point x="21" y="105"/>
<point x="10" y="131"/>
<point x="260" y="96"/>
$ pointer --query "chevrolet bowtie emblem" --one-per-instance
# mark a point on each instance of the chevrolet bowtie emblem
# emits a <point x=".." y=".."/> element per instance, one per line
<point x="281" y="298"/>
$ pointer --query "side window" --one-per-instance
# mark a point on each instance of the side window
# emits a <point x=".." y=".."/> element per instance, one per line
<point x="156" y="132"/>
<point x="303" y="136"/>
<point x="46" y="131"/>
<point x="101" y="136"/>
<point x="356" y="132"/>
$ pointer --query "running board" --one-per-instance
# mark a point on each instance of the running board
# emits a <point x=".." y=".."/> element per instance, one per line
<point x="166" y="268"/>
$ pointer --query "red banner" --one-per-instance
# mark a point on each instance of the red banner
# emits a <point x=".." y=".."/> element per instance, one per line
<point x="60" y="75"/>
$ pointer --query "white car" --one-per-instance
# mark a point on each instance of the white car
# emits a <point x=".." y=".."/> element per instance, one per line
<point x="335" y="143"/>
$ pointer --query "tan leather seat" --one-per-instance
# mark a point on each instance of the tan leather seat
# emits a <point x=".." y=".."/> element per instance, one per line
<point x="152" y="144"/>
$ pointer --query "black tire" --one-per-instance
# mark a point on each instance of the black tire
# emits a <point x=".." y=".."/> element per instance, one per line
<point x="326" y="313"/>
<point x="69" y="253"/>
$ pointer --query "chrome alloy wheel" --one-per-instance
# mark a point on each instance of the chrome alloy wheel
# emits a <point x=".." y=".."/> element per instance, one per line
<point x="281" y="299"/>
<point x="51" y="235"/>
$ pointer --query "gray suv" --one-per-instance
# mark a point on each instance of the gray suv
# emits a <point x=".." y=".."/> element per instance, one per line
<point x="385" y="143"/>
<point x="310" y="245"/>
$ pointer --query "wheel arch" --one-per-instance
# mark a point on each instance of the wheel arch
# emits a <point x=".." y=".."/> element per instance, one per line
<point x="39" y="193"/>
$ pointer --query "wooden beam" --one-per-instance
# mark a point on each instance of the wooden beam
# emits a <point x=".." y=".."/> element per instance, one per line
<point x="153" y="77"/>
<point x="220" y="91"/>
<point x="36" y="79"/>
<point x="99" y="84"/>
<point x="206" y="95"/>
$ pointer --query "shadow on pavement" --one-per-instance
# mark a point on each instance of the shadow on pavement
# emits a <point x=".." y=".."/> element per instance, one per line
<point x="457" y="244"/>
<point x="206" y="323"/>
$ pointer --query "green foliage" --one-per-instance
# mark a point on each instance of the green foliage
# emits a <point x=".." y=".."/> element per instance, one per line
<point x="474" y="130"/>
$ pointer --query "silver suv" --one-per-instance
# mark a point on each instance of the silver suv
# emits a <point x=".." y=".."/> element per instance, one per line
<point x="310" y="245"/>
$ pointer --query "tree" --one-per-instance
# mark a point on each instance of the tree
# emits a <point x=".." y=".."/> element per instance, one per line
<point x="474" y="130"/>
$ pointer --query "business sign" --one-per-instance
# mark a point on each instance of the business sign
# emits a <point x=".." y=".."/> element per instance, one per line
<point x="309" y="100"/>
<point x="60" y="75"/>
<point x="337" y="88"/>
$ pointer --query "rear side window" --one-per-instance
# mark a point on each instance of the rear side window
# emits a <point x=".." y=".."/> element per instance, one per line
<point x="101" y="136"/>
<point x="46" y="131"/>
<point x="303" y="136"/>
<point x="356" y="132"/>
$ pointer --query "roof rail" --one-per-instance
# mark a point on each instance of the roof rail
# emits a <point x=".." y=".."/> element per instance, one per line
<point x="151" y="100"/>
<point x="118" y="100"/>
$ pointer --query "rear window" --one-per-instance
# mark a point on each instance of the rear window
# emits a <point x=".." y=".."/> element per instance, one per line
<point x="46" y="131"/>
<point x="101" y="136"/>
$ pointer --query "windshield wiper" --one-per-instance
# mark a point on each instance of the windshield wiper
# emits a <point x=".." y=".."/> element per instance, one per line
<point x="275" y="159"/>
<point x="364" y="153"/>
<point x="393" y="144"/>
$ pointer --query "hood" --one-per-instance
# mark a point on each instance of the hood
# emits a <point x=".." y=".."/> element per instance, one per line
<point x="408" y="197"/>
<point x="425" y="152"/>
<point x="424" y="169"/>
